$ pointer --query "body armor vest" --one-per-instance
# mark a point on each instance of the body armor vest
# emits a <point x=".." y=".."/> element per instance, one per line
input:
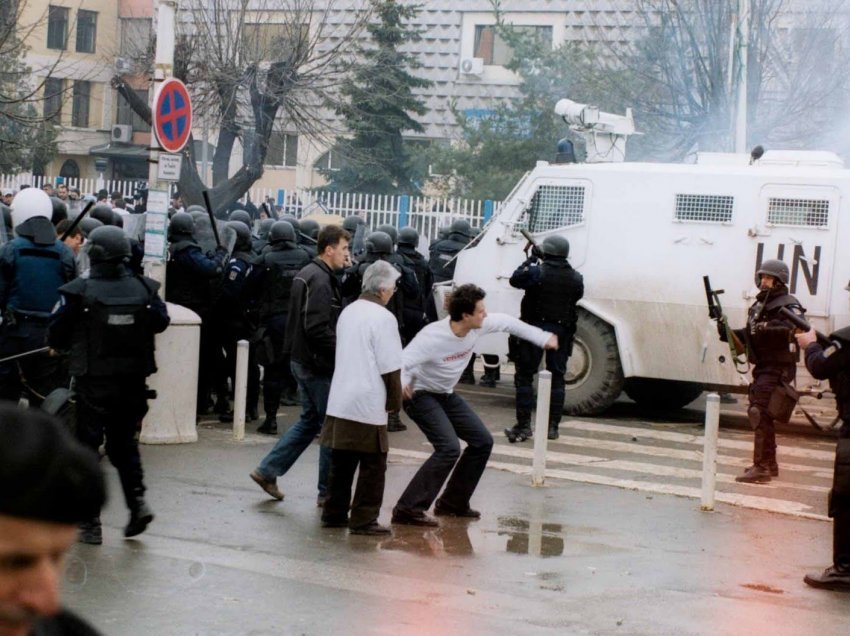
<point x="282" y="264"/>
<point x="554" y="297"/>
<point x="39" y="273"/>
<point x="440" y="261"/>
<point x="185" y="287"/>
<point x="765" y="328"/>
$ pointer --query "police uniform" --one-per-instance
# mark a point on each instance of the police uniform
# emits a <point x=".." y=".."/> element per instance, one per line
<point x="833" y="363"/>
<point x="108" y="322"/>
<point x="552" y="289"/>
<point x="419" y="309"/>
<point x="277" y="268"/>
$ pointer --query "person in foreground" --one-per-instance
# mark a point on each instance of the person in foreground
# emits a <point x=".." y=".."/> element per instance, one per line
<point x="432" y="365"/>
<point x="48" y="484"/>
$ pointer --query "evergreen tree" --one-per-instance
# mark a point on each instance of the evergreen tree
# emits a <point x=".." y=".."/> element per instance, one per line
<point x="378" y="105"/>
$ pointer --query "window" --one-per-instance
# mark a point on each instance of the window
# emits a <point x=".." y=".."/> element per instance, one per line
<point x="553" y="207"/>
<point x="80" y="104"/>
<point x="86" y="30"/>
<point x="53" y="98"/>
<point x="135" y="36"/>
<point x="126" y="115"/>
<point x="278" y="41"/>
<point x="282" y="150"/>
<point x="330" y="160"/>
<point x="494" y="50"/>
<point x="799" y="212"/>
<point x="57" y="28"/>
<point x="704" y="207"/>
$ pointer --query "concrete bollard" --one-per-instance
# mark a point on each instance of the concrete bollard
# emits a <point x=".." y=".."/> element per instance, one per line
<point x="709" y="451"/>
<point x="240" y="390"/>
<point x="541" y="427"/>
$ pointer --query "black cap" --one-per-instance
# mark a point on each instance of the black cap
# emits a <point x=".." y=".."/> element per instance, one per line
<point x="45" y="474"/>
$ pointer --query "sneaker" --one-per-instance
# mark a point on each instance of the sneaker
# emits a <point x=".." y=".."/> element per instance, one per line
<point x="140" y="518"/>
<point x="754" y="475"/>
<point x="269" y="486"/>
<point x="373" y="529"/>
<point x="91" y="532"/>
<point x="444" y="511"/>
<point x="415" y="519"/>
<point x="830" y="579"/>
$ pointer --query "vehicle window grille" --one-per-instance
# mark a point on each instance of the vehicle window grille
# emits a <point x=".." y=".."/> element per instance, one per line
<point x="709" y="208"/>
<point x="553" y="207"/>
<point x="805" y="212"/>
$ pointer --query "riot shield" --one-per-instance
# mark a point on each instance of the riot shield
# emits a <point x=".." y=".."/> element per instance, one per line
<point x="205" y="236"/>
<point x="357" y="243"/>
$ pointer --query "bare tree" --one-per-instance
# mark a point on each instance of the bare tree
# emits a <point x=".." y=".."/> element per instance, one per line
<point x="248" y="63"/>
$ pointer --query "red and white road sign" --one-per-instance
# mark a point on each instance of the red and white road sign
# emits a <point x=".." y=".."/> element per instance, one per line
<point x="172" y="115"/>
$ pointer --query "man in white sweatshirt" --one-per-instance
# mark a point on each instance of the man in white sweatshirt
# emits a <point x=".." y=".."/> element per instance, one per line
<point x="432" y="365"/>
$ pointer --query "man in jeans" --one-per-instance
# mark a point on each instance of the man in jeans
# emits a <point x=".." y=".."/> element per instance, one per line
<point x="310" y="341"/>
<point x="432" y="365"/>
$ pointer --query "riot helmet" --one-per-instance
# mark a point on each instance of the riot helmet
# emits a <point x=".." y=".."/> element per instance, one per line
<point x="241" y="216"/>
<point x="29" y="204"/>
<point x="443" y="232"/>
<point x="555" y="247"/>
<point x="350" y="223"/>
<point x="108" y="243"/>
<point x="461" y="227"/>
<point x="182" y="225"/>
<point x="89" y="225"/>
<point x="196" y="208"/>
<point x="117" y="219"/>
<point x="282" y="231"/>
<point x="378" y="243"/>
<point x="103" y="213"/>
<point x="775" y="268"/>
<point x="293" y="222"/>
<point x="408" y="236"/>
<point x="265" y="228"/>
<point x="243" y="236"/>
<point x="197" y="215"/>
<point x="390" y="230"/>
<point x="60" y="210"/>
<point x="310" y="227"/>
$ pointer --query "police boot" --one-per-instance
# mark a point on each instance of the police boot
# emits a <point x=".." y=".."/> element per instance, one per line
<point x="394" y="422"/>
<point x="553" y="430"/>
<point x="90" y="532"/>
<point x="837" y="576"/>
<point x="758" y="473"/>
<point x="269" y="426"/>
<point x="520" y="432"/>
<point x="489" y="378"/>
<point x="140" y="517"/>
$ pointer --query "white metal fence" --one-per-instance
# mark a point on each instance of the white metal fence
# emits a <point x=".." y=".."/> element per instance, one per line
<point x="426" y="214"/>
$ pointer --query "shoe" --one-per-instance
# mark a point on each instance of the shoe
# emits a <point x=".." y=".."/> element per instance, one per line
<point x="91" y="532"/>
<point x="488" y="381"/>
<point x="373" y="529"/>
<point x="518" y="433"/>
<point x="394" y="423"/>
<point x="268" y="427"/>
<point x="754" y="475"/>
<point x="140" y="517"/>
<point x="831" y="578"/>
<point x="269" y="486"/>
<point x="774" y="469"/>
<point x="335" y="523"/>
<point x="469" y="513"/>
<point x="415" y="519"/>
<point x="553" y="433"/>
<point x="321" y="500"/>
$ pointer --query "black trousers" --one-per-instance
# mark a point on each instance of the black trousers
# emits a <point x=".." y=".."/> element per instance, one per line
<point x="527" y="361"/>
<point x="369" y="494"/>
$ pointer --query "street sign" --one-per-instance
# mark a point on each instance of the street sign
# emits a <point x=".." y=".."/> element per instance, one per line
<point x="168" y="168"/>
<point x="156" y="226"/>
<point x="172" y="115"/>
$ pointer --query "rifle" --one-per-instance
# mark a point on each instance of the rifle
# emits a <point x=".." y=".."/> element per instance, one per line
<point x="535" y="250"/>
<point x="76" y="221"/>
<point x="800" y="323"/>
<point x="715" y="312"/>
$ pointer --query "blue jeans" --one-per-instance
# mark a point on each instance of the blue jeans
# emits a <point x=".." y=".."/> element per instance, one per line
<point x="446" y="418"/>
<point x="314" y="390"/>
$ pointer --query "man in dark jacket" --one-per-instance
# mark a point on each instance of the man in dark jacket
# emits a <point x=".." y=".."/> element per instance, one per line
<point x="310" y="340"/>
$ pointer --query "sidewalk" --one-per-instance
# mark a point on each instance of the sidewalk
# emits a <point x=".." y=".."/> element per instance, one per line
<point x="569" y="558"/>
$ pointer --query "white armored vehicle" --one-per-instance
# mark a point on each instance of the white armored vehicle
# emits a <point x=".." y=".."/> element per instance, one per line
<point x="643" y="235"/>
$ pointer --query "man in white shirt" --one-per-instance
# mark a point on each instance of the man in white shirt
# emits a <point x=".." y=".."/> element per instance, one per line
<point x="433" y="363"/>
<point x="366" y="385"/>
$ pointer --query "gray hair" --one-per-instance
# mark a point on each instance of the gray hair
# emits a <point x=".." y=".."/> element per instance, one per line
<point x="379" y="275"/>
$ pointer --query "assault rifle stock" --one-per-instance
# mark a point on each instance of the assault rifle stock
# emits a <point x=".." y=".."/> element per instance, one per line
<point x="715" y="312"/>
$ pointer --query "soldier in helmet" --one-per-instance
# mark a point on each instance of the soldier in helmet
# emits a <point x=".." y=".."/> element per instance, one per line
<point x="307" y="233"/>
<point x="833" y="363"/>
<point x="418" y="310"/>
<point x="552" y="289"/>
<point x="772" y="350"/>
<point x="190" y="273"/>
<point x="278" y="265"/>
<point x="33" y="266"/>
<point x="108" y="322"/>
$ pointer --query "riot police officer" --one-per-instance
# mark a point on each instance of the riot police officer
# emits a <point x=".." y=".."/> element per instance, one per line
<point x="770" y="347"/>
<point x="552" y="289"/>
<point x="833" y="363"/>
<point x="418" y="310"/>
<point x="307" y="232"/>
<point x="278" y="266"/>
<point x="443" y="252"/>
<point x="108" y="322"/>
<point x="190" y="273"/>
<point x="33" y="266"/>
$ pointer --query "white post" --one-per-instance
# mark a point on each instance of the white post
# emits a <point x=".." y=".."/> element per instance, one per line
<point x="541" y="428"/>
<point x="709" y="452"/>
<point x="240" y="389"/>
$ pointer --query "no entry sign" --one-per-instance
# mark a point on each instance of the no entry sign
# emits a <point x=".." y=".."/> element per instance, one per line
<point x="172" y="115"/>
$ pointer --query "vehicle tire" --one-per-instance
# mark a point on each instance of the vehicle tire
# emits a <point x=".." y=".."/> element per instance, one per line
<point x="662" y="394"/>
<point x="594" y="376"/>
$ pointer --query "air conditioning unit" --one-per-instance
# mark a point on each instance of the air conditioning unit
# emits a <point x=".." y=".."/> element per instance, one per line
<point x="122" y="133"/>
<point x="472" y="66"/>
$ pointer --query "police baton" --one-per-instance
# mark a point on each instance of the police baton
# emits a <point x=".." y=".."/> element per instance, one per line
<point x="76" y="221"/>
<point x="212" y="217"/>
<point x="24" y="354"/>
